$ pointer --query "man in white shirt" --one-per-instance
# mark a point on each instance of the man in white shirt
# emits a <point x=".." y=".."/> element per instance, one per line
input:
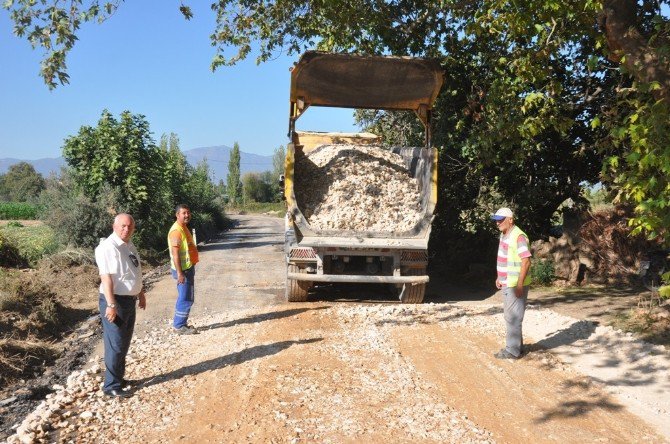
<point x="120" y="288"/>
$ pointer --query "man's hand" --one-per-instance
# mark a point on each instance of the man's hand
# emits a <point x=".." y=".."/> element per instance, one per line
<point x="181" y="277"/>
<point x="518" y="291"/>
<point x="498" y="284"/>
<point x="110" y="313"/>
<point x="142" y="300"/>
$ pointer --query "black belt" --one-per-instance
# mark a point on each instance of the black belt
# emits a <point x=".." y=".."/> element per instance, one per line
<point x="125" y="296"/>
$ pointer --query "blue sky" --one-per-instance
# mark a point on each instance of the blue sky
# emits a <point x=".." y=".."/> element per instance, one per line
<point x="149" y="60"/>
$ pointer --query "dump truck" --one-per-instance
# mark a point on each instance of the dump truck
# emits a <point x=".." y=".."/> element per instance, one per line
<point x="397" y="257"/>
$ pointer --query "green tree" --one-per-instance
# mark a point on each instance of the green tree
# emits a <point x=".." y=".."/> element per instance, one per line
<point x="21" y="183"/>
<point x="278" y="158"/>
<point x="120" y="156"/>
<point x="233" y="179"/>
<point x="184" y="183"/>
<point x="205" y="202"/>
<point x="253" y="188"/>
<point x="176" y="170"/>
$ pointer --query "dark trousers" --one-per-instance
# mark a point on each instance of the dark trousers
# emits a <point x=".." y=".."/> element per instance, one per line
<point x="116" y="338"/>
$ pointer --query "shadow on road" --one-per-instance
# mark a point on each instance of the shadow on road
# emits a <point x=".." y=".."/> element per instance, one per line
<point x="258" y="351"/>
<point x="575" y="332"/>
<point x="437" y="293"/>
<point x="261" y="317"/>
<point x="573" y="409"/>
<point x="597" y="302"/>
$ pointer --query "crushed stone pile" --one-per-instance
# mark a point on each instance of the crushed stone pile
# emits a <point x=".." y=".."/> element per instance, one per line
<point x="359" y="188"/>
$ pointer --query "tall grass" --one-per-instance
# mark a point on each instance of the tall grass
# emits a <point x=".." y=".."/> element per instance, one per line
<point x="30" y="243"/>
<point x="258" y="207"/>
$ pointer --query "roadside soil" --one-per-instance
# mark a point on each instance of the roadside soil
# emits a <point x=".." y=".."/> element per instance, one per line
<point x="352" y="364"/>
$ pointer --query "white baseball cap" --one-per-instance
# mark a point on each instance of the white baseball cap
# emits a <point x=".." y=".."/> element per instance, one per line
<point x="502" y="214"/>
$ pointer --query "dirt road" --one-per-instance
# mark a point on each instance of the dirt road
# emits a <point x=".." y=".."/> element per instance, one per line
<point x="353" y="365"/>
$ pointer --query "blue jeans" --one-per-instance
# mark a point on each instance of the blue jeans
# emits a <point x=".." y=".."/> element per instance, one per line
<point x="185" y="297"/>
<point x="116" y="339"/>
<point x="514" y="309"/>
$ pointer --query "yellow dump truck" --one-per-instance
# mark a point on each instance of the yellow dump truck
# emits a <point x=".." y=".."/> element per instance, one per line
<point x="317" y="255"/>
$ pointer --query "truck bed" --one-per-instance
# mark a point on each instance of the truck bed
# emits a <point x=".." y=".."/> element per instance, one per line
<point x="421" y="163"/>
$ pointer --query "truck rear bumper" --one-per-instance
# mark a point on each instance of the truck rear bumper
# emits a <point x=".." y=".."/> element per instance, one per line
<point x="358" y="278"/>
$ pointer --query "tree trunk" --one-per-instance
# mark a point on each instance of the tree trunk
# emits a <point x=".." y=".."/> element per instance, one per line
<point x="619" y="22"/>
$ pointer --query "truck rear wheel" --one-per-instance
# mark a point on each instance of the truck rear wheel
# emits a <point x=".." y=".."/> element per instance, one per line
<point x="296" y="291"/>
<point x="413" y="294"/>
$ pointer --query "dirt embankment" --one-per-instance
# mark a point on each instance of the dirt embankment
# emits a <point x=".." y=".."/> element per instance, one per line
<point x="353" y="365"/>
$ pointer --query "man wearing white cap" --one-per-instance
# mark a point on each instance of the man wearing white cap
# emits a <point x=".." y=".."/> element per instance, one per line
<point x="513" y="266"/>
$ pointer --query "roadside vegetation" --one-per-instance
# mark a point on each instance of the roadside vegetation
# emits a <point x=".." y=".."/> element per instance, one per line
<point x="271" y="208"/>
<point x="49" y="227"/>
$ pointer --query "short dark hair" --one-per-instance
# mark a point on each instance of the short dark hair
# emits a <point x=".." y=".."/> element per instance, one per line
<point x="180" y="207"/>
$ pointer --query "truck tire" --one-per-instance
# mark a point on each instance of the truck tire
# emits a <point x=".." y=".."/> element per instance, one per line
<point x="413" y="294"/>
<point x="296" y="291"/>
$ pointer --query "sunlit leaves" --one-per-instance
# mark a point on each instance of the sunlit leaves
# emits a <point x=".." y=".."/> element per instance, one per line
<point x="53" y="26"/>
<point x="186" y="12"/>
<point x="641" y="176"/>
<point x="114" y="153"/>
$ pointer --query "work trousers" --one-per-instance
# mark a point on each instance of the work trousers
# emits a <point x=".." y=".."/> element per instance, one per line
<point x="514" y="309"/>
<point x="116" y="339"/>
<point x="185" y="297"/>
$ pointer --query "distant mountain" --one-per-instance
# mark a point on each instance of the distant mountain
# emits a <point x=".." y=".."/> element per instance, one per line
<point x="217" y="159"/>
<point x="44" y="166"/>
<point x="219" y="156"/>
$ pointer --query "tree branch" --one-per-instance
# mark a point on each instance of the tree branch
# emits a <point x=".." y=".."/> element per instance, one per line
<point x="619" y="22"/>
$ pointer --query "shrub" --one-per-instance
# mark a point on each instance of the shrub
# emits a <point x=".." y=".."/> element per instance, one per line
<point x="9" y="254"/>
<point x="542" y="272"/>
<point x="18" y="211"/>
<point x="77" y="219"/>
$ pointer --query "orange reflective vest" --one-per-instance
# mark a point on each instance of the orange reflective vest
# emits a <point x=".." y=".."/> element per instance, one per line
<point x="188" y="252"/>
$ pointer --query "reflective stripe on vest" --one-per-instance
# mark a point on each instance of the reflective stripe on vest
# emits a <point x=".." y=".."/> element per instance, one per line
<point x="184" y="256"/>
<point x="513" y="259"/>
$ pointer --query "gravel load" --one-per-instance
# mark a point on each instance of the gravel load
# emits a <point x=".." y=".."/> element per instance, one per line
<point x="356" y="187"/>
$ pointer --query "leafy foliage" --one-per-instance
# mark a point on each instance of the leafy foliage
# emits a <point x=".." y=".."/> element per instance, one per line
<point x="119" y="153"/>
<point x="205" y="201"/>
<point x="278" y="159"/>
<point x="21" y="183"/>
<point x="120" y="158"/>
<point x="641" y="173"/>
<point x="53" y="27"/>
<point x="257" y="187"/>
<point x="76" y="218"/>
<point x="116" y="167"/>
<point x="542" y="272"/>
